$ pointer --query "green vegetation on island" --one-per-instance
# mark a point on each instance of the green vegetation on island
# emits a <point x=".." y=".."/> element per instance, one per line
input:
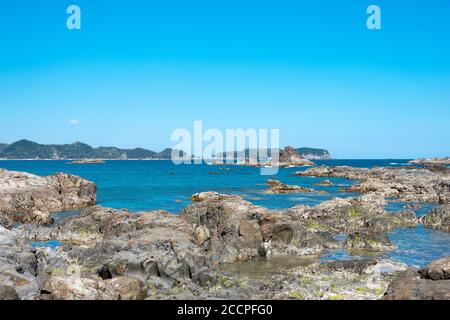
<point x="25" y="149"/>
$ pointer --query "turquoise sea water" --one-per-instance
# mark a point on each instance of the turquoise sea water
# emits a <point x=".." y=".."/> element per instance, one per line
<point x="148" y="185"/>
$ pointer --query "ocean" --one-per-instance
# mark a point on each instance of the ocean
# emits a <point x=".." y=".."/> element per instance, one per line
<point x="149" y="185"/>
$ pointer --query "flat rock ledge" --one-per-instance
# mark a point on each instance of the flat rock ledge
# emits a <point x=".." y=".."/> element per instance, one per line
<point x="26" y="197"/>
<point x="404" y="184"/>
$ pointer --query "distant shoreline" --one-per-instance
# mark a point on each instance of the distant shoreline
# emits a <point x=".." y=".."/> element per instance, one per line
<point x="161" y="159"/>
<point x="83" y="159"/>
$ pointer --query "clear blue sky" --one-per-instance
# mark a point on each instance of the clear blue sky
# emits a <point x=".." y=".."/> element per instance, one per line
<point x="137" y="70"/>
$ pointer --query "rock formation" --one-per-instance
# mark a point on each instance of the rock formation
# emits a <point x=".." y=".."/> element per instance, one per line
<point x="18" y="268"/>
<point x="415" y="185"/>
<point x="438" y="218"/>
<point x="290" y="157"/>
<point x="278" y="187"/>
<point x="430" y="283"/>
<point x="232" y="229"/>
<point x="444" y="161"/>
<point x="111" y="254"/>
<point x="25" y="197"/>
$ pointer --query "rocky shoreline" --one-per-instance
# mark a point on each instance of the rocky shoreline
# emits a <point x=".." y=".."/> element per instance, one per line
<point x="87" y="161"/>
<point x="444" y="161"/>
<point x="404" y="184"/>
<point x="105" y="253"/>
<point x="25" y="197"/>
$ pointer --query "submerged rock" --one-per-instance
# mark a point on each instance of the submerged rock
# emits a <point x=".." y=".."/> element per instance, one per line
<point x="25" y="197"/>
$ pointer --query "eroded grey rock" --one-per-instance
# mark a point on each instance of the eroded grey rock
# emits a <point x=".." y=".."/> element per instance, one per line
<point x="438" y="218"/>
<point x="25" y="197"/>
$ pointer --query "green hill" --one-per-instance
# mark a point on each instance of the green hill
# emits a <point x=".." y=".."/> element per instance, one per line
<point x="25" y="149"/>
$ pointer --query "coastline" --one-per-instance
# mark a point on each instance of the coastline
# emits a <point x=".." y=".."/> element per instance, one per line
<point x="199" y="253"/>
<point x="74" y="159"/>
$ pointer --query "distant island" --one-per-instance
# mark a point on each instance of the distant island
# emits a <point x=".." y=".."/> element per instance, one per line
<point x="303" y="153"/>
<point x="25" y="149"/>
<point x="314" y="154"/>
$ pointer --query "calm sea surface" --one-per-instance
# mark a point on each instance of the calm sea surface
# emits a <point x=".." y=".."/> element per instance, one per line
<point x="148" y="185"/>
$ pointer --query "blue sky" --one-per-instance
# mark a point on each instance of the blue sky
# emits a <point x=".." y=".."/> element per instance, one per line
<point x="137" y="70"/>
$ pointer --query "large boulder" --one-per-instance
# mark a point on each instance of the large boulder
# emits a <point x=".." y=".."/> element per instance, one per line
<point x="25" y="197"/>
<point x="437" y="270"/>
<point x="438" y="218"/>
<point x="234" y="229"/>
<point x="430" y="283"/>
